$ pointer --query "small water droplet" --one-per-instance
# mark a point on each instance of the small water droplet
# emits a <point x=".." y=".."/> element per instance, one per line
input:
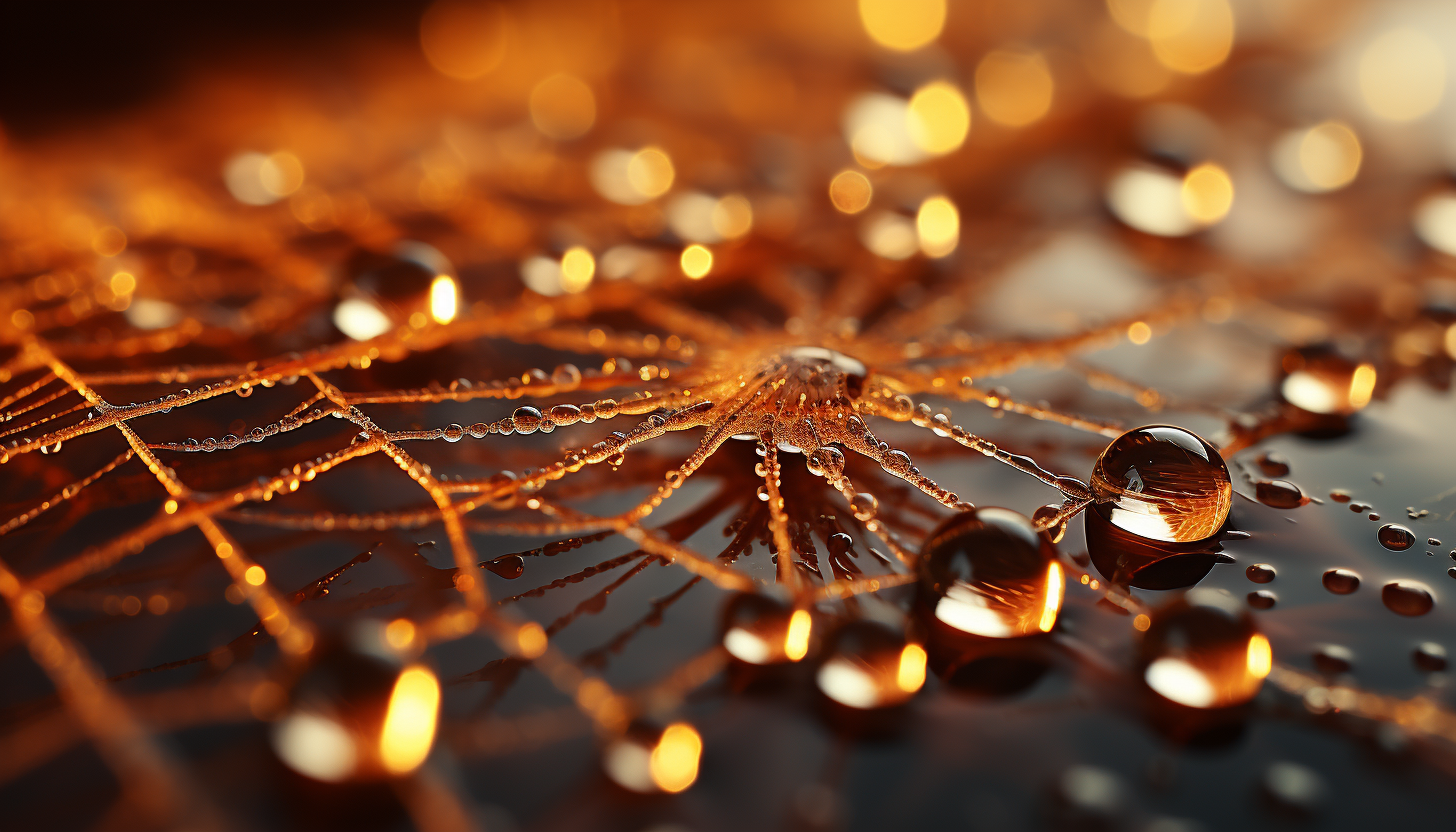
<point x="509" y="567"/>
<point x="1333" y="659"/>
<point x="1260" y="573"/>
<point x="454" y="432"/>
<point x="526" y="420"/>
<point x="1262" y="599"/>
<point x="1274" y="464"/>
<point x="1341" y="581"/>
<point x="864" y="506"/>
<point x="1340" y="496"/>
<point x="1045" y="513"/>
<point x="1407" y="598"/>
<point x="1429" y="656"/>
<point x="1279" y="494"/>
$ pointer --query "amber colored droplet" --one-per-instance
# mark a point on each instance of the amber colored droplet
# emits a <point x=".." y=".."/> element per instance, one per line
<point x="1395" y="537"/>
<point x="1341" y="581"/>
<point x="1260" y="573"/>
<point x="989" y="572"/>
<point x="1279" y="494"/>
<point x="1340" y="496"/>
<point x="1047" y="512"/>
<point x="760" y="629"/>
<point x="509" y="567"/>
<point x="1274" y="464"/>
<point x="1163" y="483"/>
<point x="1319" y="379"/>
<point x="357" y="712"/>
<point x="1204" y="651"/>
<point x="1262" y="599"/>
<point x="1407" y="598"/>
<point x="649" y="758"/>
<point x="868" y="665"/>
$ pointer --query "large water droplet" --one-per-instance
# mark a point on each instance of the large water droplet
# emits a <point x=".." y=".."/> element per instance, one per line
<point x="1204" y="651"/>
<point x="1162" y="483"/>
<point x="764" y="629"/>
<point x="1318" y="379"/>
<point x="868" y="665"/>
<point x="1395" y="537"/>
<point x="1279" y="494"/>
<point x="989" y="572"/>
<point x="1407" y="597"/>
<point x="1260" y="573"/>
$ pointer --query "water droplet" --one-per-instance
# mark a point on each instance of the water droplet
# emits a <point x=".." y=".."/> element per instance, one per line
<point x="1429" y="656"/>
<point x="1204" y="651"/>
<point x="1260" y="573"/>
<point x="867" y="665"/>
<point x="1047" y="512"/>
<point x="1407" y="598"/>
<point x="827" y="461"/>
<point x="566" y="376"/>
<point x="989" y="572"/>
<point x="607" y="408"/>
<point x="340" y="720"/>
<point x="1293" y="789"/>
<point x="762" y="629"/>
<point x="675" y="478"/>
<point x="1341" y="581"/>
<point x="1333" y="659"/>
<point x="509" y="567"/>
<point x="1279" y="494"/>
<point x="526" y="420"/>
<point x="839" y="544"/>
<point x="648" y="758"/>
<point x="1162" y="483"/>
<point x="454" y="432"/>
<point x="1274" y="464"/>
<point x="1395" y="537"/>
<point x="864" y="506"/>
<point x="1262" y="599"/>
<point x="1319" y="380"/>
<point x="1340" y="496"/>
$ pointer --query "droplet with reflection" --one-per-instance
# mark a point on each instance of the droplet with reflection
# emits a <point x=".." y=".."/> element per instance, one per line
<point x="359" y="712"/>
<point x="1395" y="537"/>
<point x="762" y="629"/>
<point x="1320" y="380"/>
<point x="868" y="665"/>
<point x="1204" y="651"/>
<point x="1341" y="581"/>
<point x="989" y="572"/>
<point x="648" y="759"/>
<point x="1163" y="483"/>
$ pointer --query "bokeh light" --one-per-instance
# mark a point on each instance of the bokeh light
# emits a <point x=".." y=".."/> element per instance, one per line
<point x="464" y="39"/>
<point x="1014" y="87"/>
<point x="563" y="107"/>
<point x="1319" y="159"/>
<point x="902" y="25"/>
<point x="1191" y="36"/>
<point x="850" y="191"/>
<point x="1402" y="75"/>
<point x="939" y="118"/>
<point x="938" y="226"/>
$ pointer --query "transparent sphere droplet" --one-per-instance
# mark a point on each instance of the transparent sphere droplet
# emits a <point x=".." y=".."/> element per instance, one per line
<point x="1045" y="514"/>
<point x="989" y="572"/>
<point x="864" y="506"/>
<point x="868" y="665"/>
<point x="1162" y="483"/>
<point x="1204" y="651"/>
<point x="1321" y="380"/>
<point x="650" y="759"/>
<point x="526" y="420"/>
<point x="359" y="712"/>
<point x="764" y="629"/>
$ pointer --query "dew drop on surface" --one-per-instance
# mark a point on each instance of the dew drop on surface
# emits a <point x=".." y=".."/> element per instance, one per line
<point x="839" y="544"/>
<point x="868" y="665"/>
<point x="1333" y="659"/>
<point x="764" y="629"/>
<point x="1341" y="581"/>
<point x="1274" y="464"/>
<point x="1279" y="494"/>
<point x="988" y="572"/>
<point x="1429" y="657"/>
<point x="1407" y="598"/>
<point x="1395" y="537"/>
<point x="1162" y="483"/>
<point x="1262" y="599"/>
<point x="1260" y="573"/>
<point x="454" y="433"/>
<point x="1204" y="651"/>
<point x="1340" y="496"/>
<point x="358" y="712"/>
<point x="1319" y="380"/>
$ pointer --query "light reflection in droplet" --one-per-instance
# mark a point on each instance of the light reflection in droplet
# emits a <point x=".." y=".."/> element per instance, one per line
<point x="361" y="320"/>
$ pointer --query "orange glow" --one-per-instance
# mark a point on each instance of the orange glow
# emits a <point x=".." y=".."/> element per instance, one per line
<point x="1053" y="603"/>
<point x="255" y="575"/>
<point x="464" y="39"/>
<point x="911" y="673"/>
<point x="850" y="191"/>
<point x="796" y="641"/>
<point x="1014" y="87"/>
<point x="1260" y="659"/>
<point x="409" y="724"/>
<point x="674" y="762"/>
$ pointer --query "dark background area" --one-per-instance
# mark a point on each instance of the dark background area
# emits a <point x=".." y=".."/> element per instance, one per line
<point x="63" y="64"/>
